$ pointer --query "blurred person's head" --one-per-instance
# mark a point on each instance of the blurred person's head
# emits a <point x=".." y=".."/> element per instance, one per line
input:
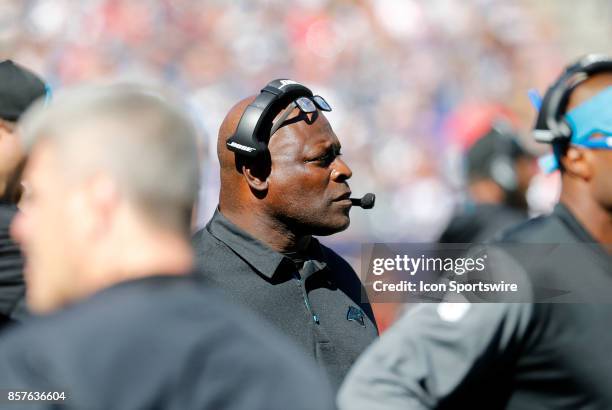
<point x="19" y="88"/>
<point x="499" y="169"/>
<point x="109" y="189"/>
<point x="298" y="186"/>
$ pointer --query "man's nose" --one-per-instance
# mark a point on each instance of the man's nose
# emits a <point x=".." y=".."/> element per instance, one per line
<point x="341" y="171"/>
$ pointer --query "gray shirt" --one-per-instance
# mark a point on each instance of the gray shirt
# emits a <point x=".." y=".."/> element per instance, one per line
<point x="318" y="302"/>
<point x="503" y="355"/>
<point x="164" y="342"/>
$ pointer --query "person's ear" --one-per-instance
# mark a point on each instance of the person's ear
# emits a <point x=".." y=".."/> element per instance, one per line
<point x="257" y="180"/>
<point x="102" y="197"/>
<point x="6" y="128"/>
<point x="577" y="162"/>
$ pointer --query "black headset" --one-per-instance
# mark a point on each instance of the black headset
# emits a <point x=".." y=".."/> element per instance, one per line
<point x="250" y="138"/>
<point x="550" y="124"/>
<point x="498" y="164"/>
<point x="501" y="167"/>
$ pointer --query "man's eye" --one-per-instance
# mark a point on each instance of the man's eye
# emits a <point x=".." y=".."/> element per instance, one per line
<point x="326" y="158"/>
<point x="329" y="157"/>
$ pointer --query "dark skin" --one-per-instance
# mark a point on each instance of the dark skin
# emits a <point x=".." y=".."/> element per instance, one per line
<point x="587" y="190"/>
<point x="300" y="189"/>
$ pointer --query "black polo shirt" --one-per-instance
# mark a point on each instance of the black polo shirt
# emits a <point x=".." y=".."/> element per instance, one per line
<point x="164" y="342"/>
<point x="318" y="304"/>
<point x="12" y="286"/>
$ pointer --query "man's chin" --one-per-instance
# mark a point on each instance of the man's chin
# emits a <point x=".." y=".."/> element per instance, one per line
<point x="331" y="229"/>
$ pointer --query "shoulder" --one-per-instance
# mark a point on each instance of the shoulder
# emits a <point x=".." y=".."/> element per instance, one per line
<point x="472" y="328"/>
<point x="440" y="345"/>
<point x="213" y="258"/>
<point x="146" y="302"/>
<point x="202" y="240"/>
<point x="480" y="223"/>
<point x="157" y="331"/>
<point x="471" y="318"/>
<point x="157" y="310"/>
<point x="206" y="245"/>
<point x="540" y="229"/>
<point x="337" y="262"/>
<point x="157" y="319"/>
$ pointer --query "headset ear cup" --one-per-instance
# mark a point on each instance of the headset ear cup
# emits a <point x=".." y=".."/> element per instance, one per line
<point x="564" y="130"/>
<point x="503" y="173"/>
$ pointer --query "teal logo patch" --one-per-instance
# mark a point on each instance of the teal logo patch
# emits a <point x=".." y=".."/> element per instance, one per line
<point x="355" y="314"/>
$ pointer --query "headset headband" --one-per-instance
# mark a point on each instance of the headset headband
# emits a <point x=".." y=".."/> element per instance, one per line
<point x="550" y="124"/>
<point x="248" y="139"/>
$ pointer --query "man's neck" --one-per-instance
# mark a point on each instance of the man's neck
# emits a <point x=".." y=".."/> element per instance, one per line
<point x="596" y="220"/>
<point x="165" y="254"/>
<point x="268" y="230"/>
<point x="146" y="255"/>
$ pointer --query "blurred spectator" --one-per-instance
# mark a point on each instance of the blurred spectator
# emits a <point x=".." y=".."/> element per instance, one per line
<point x="499" y="172"/>
<point x="19" y="88"/>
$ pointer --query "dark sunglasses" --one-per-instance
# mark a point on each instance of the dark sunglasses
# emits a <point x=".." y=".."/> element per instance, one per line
<point x="306" y="105"/>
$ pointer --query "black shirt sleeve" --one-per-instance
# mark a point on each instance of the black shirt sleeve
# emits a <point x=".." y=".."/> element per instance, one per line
<point x="439" y="355"/>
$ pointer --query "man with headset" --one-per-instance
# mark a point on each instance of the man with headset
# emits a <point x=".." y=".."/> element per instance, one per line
<point x="523" y="355"/>
<point x="282" y="182"/>
<point x="120" y="321"/>
<point x="499" y="171"/>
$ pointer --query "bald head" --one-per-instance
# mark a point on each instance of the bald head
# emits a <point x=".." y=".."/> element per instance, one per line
<point x="588" y="89"/>
<point x="228" y="127"/>
<point x="233" y="166"/>
<point x="296" y="183"/>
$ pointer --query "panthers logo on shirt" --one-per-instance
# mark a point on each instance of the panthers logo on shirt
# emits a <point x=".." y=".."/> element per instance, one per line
<point x="355" y="314"/>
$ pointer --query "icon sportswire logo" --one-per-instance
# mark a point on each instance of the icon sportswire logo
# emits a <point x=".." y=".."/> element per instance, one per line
<point x="241" y="147"/>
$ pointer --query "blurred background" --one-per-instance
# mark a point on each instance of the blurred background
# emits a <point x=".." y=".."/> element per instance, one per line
<point x="412" y="83"/>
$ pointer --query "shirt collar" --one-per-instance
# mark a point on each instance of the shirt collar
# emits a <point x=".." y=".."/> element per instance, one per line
<point x="256" y="253"/>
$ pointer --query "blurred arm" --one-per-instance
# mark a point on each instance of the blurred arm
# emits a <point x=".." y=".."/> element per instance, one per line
<point x="435" y="354"/>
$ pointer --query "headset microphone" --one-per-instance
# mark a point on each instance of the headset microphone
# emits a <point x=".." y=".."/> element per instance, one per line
<point x="366" y="201"/>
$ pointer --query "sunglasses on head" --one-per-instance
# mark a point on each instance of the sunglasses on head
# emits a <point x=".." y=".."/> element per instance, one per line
<point x="596" y="142"/>
<point x="306" y="105"/>
<point x="591" y="121"/>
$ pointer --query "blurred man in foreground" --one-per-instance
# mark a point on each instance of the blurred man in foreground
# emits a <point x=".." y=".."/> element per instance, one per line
<point x="283" y="181"/>
<point x="523" y="355"/>
<point x="499" y="171"/>
<point x="111" y="181"/>
<point x="18" y="89"/>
